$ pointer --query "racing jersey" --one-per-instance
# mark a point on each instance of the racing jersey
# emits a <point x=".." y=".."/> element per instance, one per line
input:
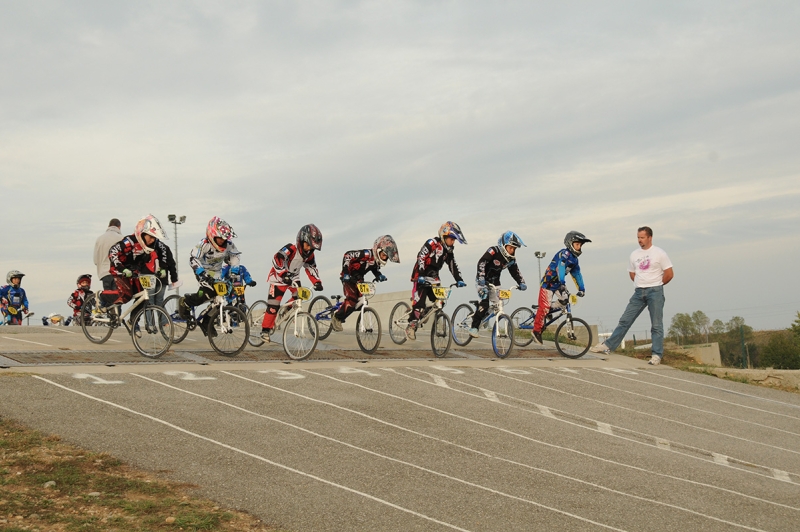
<point x="77" y="298"/>
<point x="129" y="254"/>
<point x="430" y="260"/>
<point x="15" y="296"/>
<point x="289" y="261"/>
<point x="357" y="263"/>
<point x="492" y="264"/>
<point x="206" y="257"/>
<point x="564" y="262"/>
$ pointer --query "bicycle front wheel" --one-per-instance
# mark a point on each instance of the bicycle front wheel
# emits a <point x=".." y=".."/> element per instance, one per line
<point x="522" y="320"/>
<point x="440" y="334"/>
<point x="462" y="322"/>
<point x="96" y="325"/>
<point x="255" y="317"/>
<point x="319" y="309"/>
<point x="178" y="324"/>
<point x="227" y="330"/>
<point x="300" y="336"/>
<point x="573" y="338"/>
<point x="368" y="331"/>
<point x="398" y="321"/>
<point x="151" y="331"/>
<point x="502" y="336"/>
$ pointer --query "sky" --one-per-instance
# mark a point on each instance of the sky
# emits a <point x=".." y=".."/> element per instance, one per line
<point x="368" y="118"/>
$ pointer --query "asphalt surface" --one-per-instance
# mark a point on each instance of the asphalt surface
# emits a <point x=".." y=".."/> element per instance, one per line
<point x="401" y="441"/>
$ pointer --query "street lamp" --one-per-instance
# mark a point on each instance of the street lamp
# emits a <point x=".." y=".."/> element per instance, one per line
<point x="175" y="222"/>
<point x="539" y="256"/>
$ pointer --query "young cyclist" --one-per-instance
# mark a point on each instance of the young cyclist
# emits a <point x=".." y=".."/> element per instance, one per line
<point x="134" y="253"/>
<point x="209" y="257"/>
<point x="77" y="298"/>
<point x="239" y="276"/>
<point x="285" y="270"/>
<point x="13" y="295"/>
<point x="434" y="254"/>
<point x="490" y="266"/>
<point x="564" y="262"/>
<point x="355" y="264"/>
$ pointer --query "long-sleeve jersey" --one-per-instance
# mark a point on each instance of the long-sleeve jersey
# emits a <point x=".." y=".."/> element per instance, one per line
<point x="164" y="260"/>
<point x="564" y="262"/>
<point x="207" y="259"/>
<point x="77" y="298"/>
<point x="289" y="261"/>
<point x="16" y="297"/>
<point x="129" y="254"/>
<point x="357" y="263"/>
<point x="431" y="258"/>
<point x="492" y="264"/>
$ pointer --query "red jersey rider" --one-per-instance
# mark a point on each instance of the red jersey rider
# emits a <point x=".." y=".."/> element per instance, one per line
<point x="79" y="296"/>
<point x="286" y="266"/>
<point x="434" y="254"/>
<point x="355" y="264"/>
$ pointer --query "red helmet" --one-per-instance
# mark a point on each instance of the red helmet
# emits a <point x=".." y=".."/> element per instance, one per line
<point x="85" y="277"/>
<point x="311" y="235"/>
<point x="217" y="227"/>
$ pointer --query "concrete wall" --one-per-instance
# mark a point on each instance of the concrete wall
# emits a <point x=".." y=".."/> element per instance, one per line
<point x="704" y="353"/>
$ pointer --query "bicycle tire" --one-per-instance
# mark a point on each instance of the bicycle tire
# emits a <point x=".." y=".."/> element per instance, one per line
<point x="227" y="330"/>
<point x="576" y="344"/>
<point x="370" y="338"/>
<point x="300" y="336"/>
<point x="95" y="331"/>
<point x="522" y="319"/>
<point x="152" y="331"/>
<point x="502" y="336"/>
<point x="441" y="336"/>
<point x="317" y="310"/>
<point x="398" y="321"/>
<point x="460" y="326"/>
<point x="179" y="328"/>
<point x="255" y="317"/>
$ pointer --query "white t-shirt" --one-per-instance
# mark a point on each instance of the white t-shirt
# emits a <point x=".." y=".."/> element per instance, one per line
<point x="649" y="266"/>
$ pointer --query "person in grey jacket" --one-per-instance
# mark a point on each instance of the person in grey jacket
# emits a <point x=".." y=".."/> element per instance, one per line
<point x="101" y="247"/>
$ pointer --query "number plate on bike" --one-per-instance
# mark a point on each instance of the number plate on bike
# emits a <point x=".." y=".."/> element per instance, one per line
<point x="304" y="293"/>
<point x="12" y="311"/>
<point x="238" y="290"/>
<point x="366" y="289"/>
<point x="573" y="299"/>
<point x="147" y="281"/>
<point x="221" y="288"/>
<point x="440" y="292"/>
<point x="504" y="294"/>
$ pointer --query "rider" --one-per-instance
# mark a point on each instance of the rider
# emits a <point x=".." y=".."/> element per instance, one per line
<point x="241" y="278"/>
<point x="165" y="267"/>
<point x="490" y="266"/>
<point x="434" y="254"/>
<point x="355" y="264"/>
<point x="209" y="257"/>
<point x="134" y="253"/>
<point x="285" y="270"/>
<point x="564" y="262"/>
<point x="13" y="295"/>
<point x="78" y="297"/>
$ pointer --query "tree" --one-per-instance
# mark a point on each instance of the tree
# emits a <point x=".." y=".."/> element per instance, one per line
<point x="734" y="323"/>
<point x="717" y="327"/>
<point x="682" y="325"/>
<point x="796" y="326"/>
<point x="701" y="322"/>
<point x="781" y="352"/>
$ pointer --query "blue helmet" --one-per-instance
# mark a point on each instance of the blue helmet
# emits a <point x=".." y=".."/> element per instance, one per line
<point x="509" y="238"/>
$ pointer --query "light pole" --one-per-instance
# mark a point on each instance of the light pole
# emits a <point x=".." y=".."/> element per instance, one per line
<point x="539" y="256"/>
<point x="175" y="222"/>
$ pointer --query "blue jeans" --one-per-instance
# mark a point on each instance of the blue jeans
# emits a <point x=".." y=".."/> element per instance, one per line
<point x="653" y="299"/>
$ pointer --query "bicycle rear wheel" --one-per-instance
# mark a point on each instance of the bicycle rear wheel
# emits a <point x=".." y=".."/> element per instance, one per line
<point x="151" y="331"/>
<point x="368" y="331"/>
<point x="573" y="338"/>
<point x="255" y="317"/>
<point x="398" y="321"/>
<point x="522" y="319"/>
<point x="319" y="309"/>
<point x="227" y="330"/>
<point x="300" y="336"/>
<point x="441" y="336"/>
<point x="462" y="322"/>
<point x="178" y="324"/>
<point x="502" y="336"/>
<point x="96" y="325"/>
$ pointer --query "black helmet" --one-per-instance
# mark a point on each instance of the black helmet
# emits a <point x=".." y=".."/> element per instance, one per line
<point x="311" y="235"/>
<point x="571" y="238"/>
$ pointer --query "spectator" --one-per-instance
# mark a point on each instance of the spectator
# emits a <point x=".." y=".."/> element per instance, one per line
<point x="101" y="247"/>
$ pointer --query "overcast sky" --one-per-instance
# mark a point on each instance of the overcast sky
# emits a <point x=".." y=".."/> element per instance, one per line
<point x="368" y="118"/>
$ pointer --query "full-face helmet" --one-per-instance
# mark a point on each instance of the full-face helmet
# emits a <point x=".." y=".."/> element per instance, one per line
<point x="311" y="235"/>
<point x="14" y="273"/>
<point x="386" y="244"/>
<point x="85" y="277"/>
<point x="509" y="238"/>
<point x="149" y="225"/>
<point x="452" y="230"/>
<point x="219" y="228"/>
<point x="571" y="238"/>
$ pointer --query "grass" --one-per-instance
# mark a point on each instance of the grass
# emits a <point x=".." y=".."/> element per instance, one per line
<point x="47" y="485"/>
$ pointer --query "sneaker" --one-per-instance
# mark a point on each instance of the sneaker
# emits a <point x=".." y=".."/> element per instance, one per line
<point x="411" y="332"/>
<point x="473" y="332"/>
<point x="538" y="337"/>
<point x="600" y="348"/>
<point x="655" y="360"/>
<point x="336" y="324"/>
<point x="265" y="334"/>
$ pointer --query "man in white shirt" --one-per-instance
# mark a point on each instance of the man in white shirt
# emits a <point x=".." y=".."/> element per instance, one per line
<point x="101" y="247"/>
<point x="650" y="269"/>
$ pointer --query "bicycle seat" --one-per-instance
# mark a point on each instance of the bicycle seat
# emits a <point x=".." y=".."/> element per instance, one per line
<point x="337" y="298"/>
<point x="474" y="303"/>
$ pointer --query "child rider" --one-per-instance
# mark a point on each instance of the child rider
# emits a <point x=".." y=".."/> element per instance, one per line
<point x="13" y="295"/>
<point x="79" y="296"/>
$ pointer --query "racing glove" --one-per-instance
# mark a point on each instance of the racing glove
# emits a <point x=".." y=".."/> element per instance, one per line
<point x="126" y="272"/>
<point x="380" y="278"/>
<point x="461" y="284"/>
<point x="580" y="293"/>
<point x="346" y="278"/>
<point x="251" y="283"/>
<point x="523" y="287"/>
<point x="318" y="286"/>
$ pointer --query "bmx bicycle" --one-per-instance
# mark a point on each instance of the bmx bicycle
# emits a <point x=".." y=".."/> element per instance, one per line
<point x="440" y="322"/>
<point x="300" y="331"/>
<point x="368" y="323"/>
<point x="572" y="337"/>
<point x="500" y="323"/>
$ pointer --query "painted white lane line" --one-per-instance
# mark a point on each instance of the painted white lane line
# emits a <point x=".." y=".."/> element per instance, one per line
<point x="583" y="422"/>
<point x="382" y="456"/>
<point x="471" y="450"/>
<point x="676" y="390"/>
<point x="26" y="341"/>
<point x="61" y="329"/>
<point x="547" y="444"/>
<point x="251" y="455"/>
<point x="632" y="410"/>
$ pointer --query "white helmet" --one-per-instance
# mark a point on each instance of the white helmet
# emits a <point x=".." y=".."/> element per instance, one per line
<point x="149" y="225"/>
<point x="14" y="273"/>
